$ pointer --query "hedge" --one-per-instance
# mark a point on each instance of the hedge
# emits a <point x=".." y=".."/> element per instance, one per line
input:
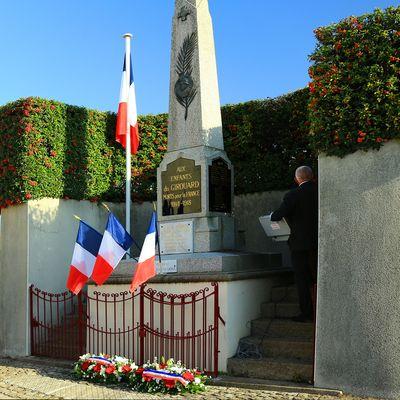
<point x="266" y="140"/>
<point x="51" y="149"/>
<point x="355" y="97"/>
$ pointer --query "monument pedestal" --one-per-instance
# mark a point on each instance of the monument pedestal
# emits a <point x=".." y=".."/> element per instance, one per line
<point x="195" y="186"/>
<point x="240" y="292"/>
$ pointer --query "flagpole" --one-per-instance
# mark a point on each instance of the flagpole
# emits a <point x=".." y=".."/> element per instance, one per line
<point x="127" y="37"/>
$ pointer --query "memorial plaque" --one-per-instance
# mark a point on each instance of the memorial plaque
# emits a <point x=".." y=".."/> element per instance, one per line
<point x="181" y="188"/>
<point x="176" y="237"/>
<point x="166" y="267"/>
<point x="220" y="197"/>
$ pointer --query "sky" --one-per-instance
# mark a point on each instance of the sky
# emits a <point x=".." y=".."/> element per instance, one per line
<point x="72" y="50"/>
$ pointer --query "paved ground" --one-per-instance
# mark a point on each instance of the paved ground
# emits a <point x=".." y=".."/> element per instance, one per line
<point x="33" y="379"/>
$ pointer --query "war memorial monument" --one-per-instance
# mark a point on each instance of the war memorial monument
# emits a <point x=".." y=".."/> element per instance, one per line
<point x="223" y="297"/>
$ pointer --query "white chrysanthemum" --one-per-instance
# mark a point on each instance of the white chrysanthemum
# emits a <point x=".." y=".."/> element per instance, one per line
<point x="121" y="359"/>
<point x="197" y="381"/>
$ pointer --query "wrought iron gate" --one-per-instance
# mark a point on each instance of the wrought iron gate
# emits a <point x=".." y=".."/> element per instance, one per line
<point x="141" y="326"/>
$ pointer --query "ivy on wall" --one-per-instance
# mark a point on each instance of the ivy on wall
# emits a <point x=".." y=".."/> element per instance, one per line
<point x="355" y="87"/>
<point x="51" y="149"/>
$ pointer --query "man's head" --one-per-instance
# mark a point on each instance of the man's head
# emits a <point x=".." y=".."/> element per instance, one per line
<point x="303" y="174"/>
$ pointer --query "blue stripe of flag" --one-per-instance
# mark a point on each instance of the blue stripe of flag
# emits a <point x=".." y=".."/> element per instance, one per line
<point x="131" y="71"/>
<point x="118" y="232"/>
<point x="152" y="225"/>
<point x="88" y="238"/>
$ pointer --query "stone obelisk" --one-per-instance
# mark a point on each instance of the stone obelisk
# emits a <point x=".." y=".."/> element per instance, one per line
<point x="195" y="178"/>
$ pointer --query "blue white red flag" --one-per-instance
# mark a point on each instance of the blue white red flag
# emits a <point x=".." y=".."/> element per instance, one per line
<point x="116" y="242"/>
<point x="84" y="257"/>
<point x="127" y="110"/>
<point x="146" y="267"/>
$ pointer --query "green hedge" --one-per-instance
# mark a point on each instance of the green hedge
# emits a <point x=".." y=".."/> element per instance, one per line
<point x="355" y="97"/>
<point x="50" y="149"/>
<point x="266" y="140"/>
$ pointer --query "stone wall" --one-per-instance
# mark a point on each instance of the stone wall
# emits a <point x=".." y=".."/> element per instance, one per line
<point x="358" y="312"/>
<point x="249" y="234"/>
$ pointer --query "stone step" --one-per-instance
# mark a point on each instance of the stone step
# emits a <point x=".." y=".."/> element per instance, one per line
<point x="282" y="328"/>
<point x="283" y="369"/>
<point x="279" y="310"/>
<point x="274" y="386"/>
<point x="284" y="293"/>
<point x="278" y="347"/>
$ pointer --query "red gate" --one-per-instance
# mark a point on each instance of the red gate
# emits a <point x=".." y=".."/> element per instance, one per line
<point x="141" y="326"/>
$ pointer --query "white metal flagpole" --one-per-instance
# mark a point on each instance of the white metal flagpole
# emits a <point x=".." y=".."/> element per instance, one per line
<point x="127" y="37"/>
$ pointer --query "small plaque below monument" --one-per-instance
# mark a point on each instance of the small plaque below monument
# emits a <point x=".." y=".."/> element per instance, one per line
<point x="181" y="188"/>
<point x="176" y="237"/>
<point x="166" y="267"/>
<point x="220" y="186"/>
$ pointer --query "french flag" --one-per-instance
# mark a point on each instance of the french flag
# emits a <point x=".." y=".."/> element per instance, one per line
<point x="127" y="110"/>
<point x="146" y="268"/>
<point x="84" y="257"/>
<point x="115" y="243"/>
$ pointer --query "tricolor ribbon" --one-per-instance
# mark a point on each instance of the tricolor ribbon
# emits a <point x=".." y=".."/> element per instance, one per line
<point x="157" y="374"/>
<point x="100" y="360"/>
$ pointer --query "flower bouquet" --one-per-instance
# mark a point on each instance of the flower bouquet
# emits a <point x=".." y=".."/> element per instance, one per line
<point x="164" y="376"/>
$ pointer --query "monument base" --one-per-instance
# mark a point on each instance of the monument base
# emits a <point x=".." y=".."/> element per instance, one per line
<point x="195" y="187"/>
<point x="240" y="293"/>
<point x="207" y="264"/>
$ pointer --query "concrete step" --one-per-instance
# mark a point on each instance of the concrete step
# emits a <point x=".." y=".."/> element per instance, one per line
<point x="273" y="386"/>
<point x="282" y="328"/>
<point x="279" y="310"/>
<point x="296" y="348"/>
<point x="283" y="369"/>
<point x="284" y="293"/>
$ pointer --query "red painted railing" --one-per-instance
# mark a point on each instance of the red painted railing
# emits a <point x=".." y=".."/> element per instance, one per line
<point x="141" y="326"/>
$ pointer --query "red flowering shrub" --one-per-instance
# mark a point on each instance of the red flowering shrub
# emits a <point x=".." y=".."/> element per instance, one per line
<point x="355" y="88"/>
<point x="51" y="149"/>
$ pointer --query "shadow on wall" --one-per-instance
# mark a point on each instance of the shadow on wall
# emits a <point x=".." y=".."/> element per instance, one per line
<point x="250" y="235"/>
<point x="75" y="184"/>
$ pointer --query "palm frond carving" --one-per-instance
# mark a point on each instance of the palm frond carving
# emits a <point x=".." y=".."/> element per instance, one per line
<point x="185" y="90"/>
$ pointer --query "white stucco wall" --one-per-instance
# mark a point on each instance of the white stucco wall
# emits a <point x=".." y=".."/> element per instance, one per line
<point x="14" y="281"/>
<point x="358" y="311"/>
<point x="38" y="240"/>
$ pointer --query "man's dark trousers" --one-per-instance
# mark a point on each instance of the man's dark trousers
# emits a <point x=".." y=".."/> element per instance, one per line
<point x="305" y="269"/>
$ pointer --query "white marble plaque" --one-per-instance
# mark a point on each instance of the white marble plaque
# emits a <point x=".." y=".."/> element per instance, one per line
<point x="176" y="237"/>
<point x="166" y="267"/>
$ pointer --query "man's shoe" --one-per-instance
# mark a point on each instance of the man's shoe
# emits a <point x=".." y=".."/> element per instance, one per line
<point x="302" y="318"/>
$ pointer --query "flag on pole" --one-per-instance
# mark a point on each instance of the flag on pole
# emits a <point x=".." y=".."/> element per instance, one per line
<point x="83" y="259"/>
<point x="146" y="267"/>
<point x="115" y="243"/>
<point x="127" y="109"/>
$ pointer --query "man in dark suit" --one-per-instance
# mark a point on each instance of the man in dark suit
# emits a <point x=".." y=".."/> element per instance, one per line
<point x="300" y="209"/>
